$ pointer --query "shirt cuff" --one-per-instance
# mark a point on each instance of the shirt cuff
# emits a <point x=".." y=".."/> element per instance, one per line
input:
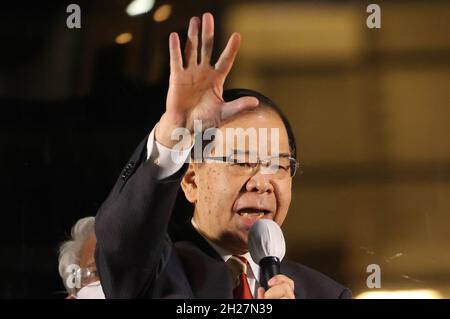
<point x="169" y="160"/>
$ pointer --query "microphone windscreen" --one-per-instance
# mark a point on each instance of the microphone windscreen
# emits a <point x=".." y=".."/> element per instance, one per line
<point x="266" y="239"/>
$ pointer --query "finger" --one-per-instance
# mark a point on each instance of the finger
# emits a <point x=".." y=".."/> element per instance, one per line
<point x="176" y="61"/>
<point x="228" y="55"/>
<point x="239" y="105"/>
<point x="260" y="293"/>
<point x="280" y="279"/>
<point x="283" y="290"/>
<point x="207" y="37"/>
<point x="191" y="48"/>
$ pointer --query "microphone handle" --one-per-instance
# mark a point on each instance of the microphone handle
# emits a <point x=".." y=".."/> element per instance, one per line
<point x="270" y="266"/>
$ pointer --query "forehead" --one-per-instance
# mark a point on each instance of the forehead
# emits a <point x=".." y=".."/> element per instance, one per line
<point x="254" y="130"/>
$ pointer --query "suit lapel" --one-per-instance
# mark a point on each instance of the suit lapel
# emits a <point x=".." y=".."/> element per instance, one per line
<point x="207" y="273"/>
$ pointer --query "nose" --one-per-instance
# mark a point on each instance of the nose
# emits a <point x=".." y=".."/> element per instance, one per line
<point x="259" y="183"/>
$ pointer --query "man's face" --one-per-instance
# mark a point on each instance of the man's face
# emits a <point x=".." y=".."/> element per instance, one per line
<point x="228" y="204"/>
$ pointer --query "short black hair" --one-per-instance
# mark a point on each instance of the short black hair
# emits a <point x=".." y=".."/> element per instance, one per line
<point x="233" y="94"/>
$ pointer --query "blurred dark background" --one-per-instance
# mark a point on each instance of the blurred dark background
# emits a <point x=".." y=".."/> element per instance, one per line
<point x="370" y="110"/>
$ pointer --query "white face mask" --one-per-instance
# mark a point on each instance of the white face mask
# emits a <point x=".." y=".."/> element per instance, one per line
<point x="92" y="291"/>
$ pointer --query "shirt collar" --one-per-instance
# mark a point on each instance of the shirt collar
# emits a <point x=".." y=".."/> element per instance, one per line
<point x="225" y="254"/>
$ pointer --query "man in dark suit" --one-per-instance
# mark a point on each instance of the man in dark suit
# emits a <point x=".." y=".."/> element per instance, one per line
<point x="231" y="188"/>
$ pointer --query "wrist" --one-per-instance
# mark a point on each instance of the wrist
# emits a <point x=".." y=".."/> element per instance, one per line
<point x="173" y="119"/>
<point x="166" y="126"/>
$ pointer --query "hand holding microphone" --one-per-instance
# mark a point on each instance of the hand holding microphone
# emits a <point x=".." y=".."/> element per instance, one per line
<point x="267" y="248"/>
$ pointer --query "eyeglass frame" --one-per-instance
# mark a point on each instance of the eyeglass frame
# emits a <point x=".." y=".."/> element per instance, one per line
<point x="228" y="159"/>
<point x="84" y="274"/>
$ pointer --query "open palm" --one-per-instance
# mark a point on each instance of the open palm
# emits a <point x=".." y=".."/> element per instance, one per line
<point x="195" y="88"/>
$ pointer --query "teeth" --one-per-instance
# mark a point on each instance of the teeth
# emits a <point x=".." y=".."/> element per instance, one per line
<point x="259" y="215"/>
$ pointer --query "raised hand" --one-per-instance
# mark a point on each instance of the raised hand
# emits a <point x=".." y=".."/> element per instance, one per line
<point x="196" y="87"/>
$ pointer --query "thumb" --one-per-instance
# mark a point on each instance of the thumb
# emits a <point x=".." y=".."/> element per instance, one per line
<point x="261" y="292"/>
<point x="238" y="105"/>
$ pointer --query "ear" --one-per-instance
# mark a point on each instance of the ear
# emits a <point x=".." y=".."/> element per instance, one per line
<point x="189" y="184"/>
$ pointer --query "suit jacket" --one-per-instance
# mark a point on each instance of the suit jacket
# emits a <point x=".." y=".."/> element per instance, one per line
<point x="136" y="258"/>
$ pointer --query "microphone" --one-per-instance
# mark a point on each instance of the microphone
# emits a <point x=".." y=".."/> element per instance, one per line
<point x="267" y="248"/>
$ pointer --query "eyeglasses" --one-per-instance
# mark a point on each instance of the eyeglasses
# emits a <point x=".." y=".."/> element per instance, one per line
<point x="87" y="275"/>
<point x="243" y="164"/>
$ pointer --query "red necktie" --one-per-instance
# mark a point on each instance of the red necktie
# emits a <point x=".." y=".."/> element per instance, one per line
<point x="242" y="290"/>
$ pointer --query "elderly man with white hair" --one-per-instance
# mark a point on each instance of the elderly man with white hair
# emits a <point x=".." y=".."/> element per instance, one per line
<point x="77" y="266"/>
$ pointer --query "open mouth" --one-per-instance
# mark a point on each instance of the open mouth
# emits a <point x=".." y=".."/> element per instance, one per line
<point x="248" y="216"/>
<point x="252" y="212"/>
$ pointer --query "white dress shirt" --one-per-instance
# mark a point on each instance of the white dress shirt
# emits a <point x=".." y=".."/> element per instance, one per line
<point x="163" y="156"/>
